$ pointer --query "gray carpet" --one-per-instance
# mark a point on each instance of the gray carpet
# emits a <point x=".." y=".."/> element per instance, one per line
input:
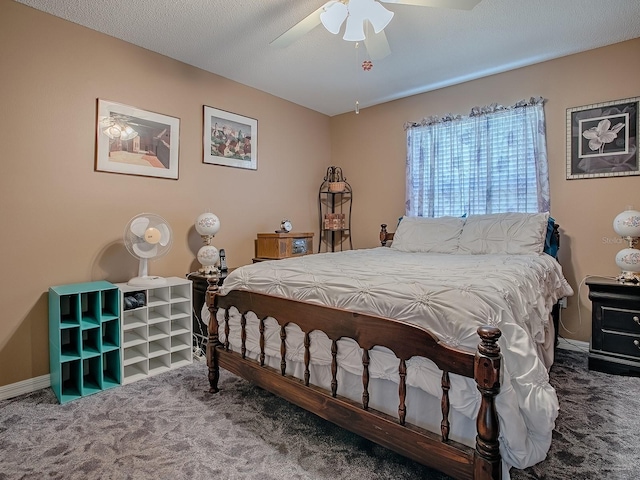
<point x="169" y="427"/>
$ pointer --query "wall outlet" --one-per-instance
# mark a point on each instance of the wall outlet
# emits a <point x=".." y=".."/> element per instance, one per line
<point x="563" y="302"/>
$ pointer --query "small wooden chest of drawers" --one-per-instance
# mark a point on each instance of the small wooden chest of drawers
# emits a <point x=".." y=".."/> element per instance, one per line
<point x="275" y="246"/>
<point x="615" y="330"/>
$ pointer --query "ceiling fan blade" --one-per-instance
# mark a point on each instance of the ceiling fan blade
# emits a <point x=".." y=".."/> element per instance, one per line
<point x="455" y="4"/>
<point x="377" y="45"/>
<point x="300" y="29"/>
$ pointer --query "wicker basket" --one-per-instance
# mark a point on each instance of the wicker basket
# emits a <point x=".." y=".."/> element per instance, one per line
<point x="337" y="186"/>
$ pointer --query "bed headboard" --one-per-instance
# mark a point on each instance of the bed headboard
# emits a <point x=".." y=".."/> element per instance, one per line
<point x="551" y="244"/>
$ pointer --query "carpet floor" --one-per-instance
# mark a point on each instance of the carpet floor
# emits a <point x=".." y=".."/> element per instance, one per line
<point x="169" y="427"/>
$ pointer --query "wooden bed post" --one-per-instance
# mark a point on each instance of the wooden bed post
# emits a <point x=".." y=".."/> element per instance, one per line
<point x="487" y="460"/>
<point x="383" y="234"/>
<point x="212" y="340"/>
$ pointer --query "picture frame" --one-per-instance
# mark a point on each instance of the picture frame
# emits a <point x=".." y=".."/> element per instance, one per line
<point x="602" y="139"/>
<point x="230" y="139"/>
<point x="133" y="141"/>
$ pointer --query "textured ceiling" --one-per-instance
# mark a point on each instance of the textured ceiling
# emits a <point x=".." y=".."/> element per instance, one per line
<point x="430" y="47"/>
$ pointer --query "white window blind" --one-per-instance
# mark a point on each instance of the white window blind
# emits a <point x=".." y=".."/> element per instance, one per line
<point x="485" y="163"/>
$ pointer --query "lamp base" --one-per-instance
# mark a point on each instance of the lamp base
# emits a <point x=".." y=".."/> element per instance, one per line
<point x="209" y="270"/>
<point x="628" y="277"/>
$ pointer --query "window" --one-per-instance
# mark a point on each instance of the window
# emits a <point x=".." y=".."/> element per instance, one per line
<point x="489" y="162"/>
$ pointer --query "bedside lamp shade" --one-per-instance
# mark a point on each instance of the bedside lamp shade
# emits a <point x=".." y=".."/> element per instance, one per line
<point x="207" y="224"/>
<point x="627" y="225"/>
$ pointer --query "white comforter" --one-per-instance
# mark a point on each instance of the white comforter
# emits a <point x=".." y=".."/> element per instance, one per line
<point x="451" y="295"/>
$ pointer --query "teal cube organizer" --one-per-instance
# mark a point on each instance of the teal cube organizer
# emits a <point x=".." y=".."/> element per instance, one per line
<point x="84" y="339"/>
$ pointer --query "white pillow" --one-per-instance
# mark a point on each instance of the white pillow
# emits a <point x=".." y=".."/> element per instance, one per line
<point x="422" y="234"/>
<point x="510" y="233"/>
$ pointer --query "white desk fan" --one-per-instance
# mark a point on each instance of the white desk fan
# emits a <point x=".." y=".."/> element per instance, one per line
<point x="147" y="236"/>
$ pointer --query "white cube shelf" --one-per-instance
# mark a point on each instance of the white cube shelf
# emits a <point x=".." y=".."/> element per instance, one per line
<point x="156" y="337"/>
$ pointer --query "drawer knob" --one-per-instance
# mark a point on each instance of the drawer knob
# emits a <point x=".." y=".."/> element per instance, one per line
<point x="636" y="319"/>
<point x="636" y="343"/>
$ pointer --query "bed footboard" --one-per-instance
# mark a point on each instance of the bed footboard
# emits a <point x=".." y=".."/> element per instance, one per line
<point x="431" y="449"/>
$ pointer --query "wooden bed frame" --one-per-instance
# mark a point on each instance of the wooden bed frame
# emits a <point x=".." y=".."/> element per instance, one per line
<point x="434" y="450"/>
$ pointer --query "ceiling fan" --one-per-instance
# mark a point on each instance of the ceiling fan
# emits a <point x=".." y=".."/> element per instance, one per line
<point x="360" y="14"/>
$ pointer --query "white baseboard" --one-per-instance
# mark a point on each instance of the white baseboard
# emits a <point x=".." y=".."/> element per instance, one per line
<point x="575" y="345"/>
<point x="25" y="386"/>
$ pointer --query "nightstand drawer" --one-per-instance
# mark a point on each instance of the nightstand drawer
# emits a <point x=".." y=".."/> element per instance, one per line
<point x="620" y="320"/>
<point x="615" y="326"/>
<point x="621" y="344"/>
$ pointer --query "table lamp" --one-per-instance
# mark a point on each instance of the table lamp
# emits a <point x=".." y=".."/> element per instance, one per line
<point x="627" y="225"/>
<point x="207" y="225"/>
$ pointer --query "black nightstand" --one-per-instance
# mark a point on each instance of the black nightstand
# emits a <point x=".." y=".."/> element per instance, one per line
<point x="615" y="328"/>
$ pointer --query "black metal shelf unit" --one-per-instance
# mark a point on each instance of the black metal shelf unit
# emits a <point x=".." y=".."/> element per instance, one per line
<point x="334" y="202"/>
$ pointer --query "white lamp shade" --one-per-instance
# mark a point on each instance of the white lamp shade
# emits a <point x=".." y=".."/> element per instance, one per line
<point x="207" y="224"/>
<point x="208" y="255"/>
<point x="627" y="223"/>
<point x="628" y="260"/>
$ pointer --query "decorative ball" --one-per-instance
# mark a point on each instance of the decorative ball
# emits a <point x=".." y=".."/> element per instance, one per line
<point x="208" y="255"/>
<point x="627" y="223"/>
<point x="207" y="224"/>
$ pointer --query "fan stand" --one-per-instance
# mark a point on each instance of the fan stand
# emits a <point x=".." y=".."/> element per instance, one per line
<point x="145" y="280"/>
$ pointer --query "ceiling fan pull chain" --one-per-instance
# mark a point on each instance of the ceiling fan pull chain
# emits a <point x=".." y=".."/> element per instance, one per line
<point x="357" y="110"/>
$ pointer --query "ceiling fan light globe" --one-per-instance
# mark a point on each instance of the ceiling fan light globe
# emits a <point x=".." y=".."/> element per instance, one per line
<point x="379" y="17"/>
<point x="354" y="32"/>
<point x="361" y="11"/>
<point x="334" y="16"/>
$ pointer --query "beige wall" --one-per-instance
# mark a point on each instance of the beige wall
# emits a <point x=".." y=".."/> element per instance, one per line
<point x="585" y="209"/>
<point x="62" y="222"/>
